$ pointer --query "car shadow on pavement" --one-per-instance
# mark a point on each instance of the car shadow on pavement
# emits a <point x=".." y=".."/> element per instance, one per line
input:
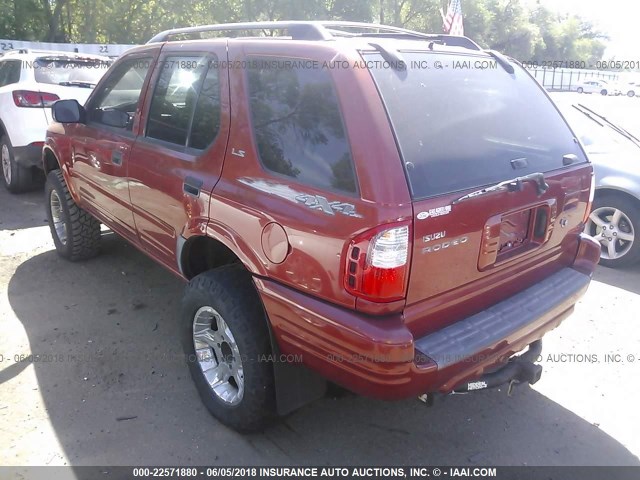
<point x="25" y="210"/>
<point x="117" y="391"/>
<point x="627" y="278"/>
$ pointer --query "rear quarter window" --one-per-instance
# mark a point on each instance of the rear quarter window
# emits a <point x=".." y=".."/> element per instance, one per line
<point x="10" y="72"/>
<point x="298" y="125"/>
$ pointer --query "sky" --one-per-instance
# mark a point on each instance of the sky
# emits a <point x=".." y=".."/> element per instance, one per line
<point x="620" y="19"/>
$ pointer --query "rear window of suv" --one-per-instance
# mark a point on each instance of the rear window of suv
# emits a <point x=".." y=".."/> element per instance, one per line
<point x="298" y="125"/>
<point x="69" y="71"/>
<point x="461" y="126"/>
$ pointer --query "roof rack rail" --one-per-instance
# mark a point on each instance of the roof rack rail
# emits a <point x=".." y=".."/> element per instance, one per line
<point x="321" y="30"/>
<point x="298" y="30"/>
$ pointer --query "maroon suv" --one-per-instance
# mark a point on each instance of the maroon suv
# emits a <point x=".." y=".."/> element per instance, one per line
<point x="396" y="212"/>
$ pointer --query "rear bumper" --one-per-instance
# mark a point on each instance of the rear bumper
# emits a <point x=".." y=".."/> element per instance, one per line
<point x="29" y="156"/>
<point x="379" y="357"/>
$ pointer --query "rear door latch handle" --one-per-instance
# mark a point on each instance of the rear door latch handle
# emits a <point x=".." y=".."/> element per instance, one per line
<point x="116" y="158"/>
<point x="192" y="186"/>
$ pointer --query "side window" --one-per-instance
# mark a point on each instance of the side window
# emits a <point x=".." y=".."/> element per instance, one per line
<point x="298" y="125"/>
<point x="116" y="103"/>
<point x="10" y="72"/>
<point x="15" y="67"/>
<point x="3" y="73"/>
<point x="206" y="119"/>
<point x="174" y="99"/>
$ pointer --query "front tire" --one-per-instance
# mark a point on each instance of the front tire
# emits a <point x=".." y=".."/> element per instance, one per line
<point x="17" y="178"/>
<point x="604" y="92"/>
<point x="615" y="223"/>
<point x="227" y="346"/>
<point x="76" y="234"/>
<point x="580" y="90"/>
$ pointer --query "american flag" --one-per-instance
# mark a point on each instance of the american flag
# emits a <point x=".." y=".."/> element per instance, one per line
<point x="453" y="19"/>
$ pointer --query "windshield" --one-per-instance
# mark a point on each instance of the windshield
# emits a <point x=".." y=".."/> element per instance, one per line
<point x="469" y="123"/>
<point x="595" y="135"/>
<point x="71" y="72"/>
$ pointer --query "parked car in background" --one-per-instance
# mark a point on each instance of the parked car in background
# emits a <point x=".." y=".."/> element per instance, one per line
<point x="598" y="86"/>
<point x="399" y="231"/>
<point x="615" y="155"/>
<point x="30" y="81"/>
<point x="631" y="89"/>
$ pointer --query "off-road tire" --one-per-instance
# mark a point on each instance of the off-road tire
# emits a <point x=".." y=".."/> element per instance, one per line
<point x="83" y="230"/>
<point x="22" y="178"/>
<point x="229" y="290"/>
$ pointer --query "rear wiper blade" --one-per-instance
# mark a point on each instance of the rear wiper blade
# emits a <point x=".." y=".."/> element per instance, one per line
<point x="587" y="114"/>
<point x="513" y="185"/>
<point x="77" y="84"/>
<point x="625" y="133"/>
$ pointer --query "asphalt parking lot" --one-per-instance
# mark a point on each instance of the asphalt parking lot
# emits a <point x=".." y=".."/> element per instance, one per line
<point x="110" y="386"/>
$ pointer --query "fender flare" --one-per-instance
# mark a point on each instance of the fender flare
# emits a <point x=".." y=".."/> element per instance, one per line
<point x="296" y="385"/>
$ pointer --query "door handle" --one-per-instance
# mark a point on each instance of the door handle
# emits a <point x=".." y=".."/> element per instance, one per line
<point x="192" y="186"/>
<point x="116" y="158"/>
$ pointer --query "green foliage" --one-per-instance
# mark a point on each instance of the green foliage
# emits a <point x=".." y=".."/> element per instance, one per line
<point x="511" y="26"/>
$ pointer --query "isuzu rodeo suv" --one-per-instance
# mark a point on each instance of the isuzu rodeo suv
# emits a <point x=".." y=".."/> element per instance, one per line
<point x="395" y="212"/>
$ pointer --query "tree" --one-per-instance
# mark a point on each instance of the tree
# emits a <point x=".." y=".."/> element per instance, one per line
<point x="522" y="31"/>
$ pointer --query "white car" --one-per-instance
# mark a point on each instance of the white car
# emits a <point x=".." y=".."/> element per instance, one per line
<point x="631" y="90"/>
<point x="598" y="86"/>
<point x="30" y="82"/>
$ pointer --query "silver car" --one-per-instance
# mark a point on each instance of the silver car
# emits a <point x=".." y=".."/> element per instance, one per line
<point x="615" y="154"/>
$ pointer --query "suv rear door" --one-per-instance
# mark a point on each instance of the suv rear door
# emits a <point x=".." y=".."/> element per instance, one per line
<point x="297" y="141"/>
<point x="463" y="126"/>
<point x="178" y="157"/>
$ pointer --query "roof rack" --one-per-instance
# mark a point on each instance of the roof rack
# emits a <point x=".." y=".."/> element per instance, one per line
<point x="19" y="51"/>
<point x="321" y="30"/>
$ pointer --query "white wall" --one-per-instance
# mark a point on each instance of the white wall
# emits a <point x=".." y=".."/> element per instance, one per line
<point x="107" y="50"/>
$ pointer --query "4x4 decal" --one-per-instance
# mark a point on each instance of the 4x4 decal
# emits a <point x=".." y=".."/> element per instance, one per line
<point x="318" y="202"/>
<point x="314" y="202"/>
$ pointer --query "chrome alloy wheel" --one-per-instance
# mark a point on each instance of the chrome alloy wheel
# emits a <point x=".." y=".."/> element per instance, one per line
<point x="6" y="164"/>
<point x="218" y="355"/>
<point x="613" y="229"/>
<point x="57" y="216"/>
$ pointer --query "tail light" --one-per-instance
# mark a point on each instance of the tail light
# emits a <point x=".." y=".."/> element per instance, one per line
<point x="377" y="264"/>
<point x="30" y="99"/>
<point x="592" y="193"/>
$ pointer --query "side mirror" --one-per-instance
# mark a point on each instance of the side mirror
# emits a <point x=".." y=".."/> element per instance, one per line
<point x="115" y="118"/>
<point x="68" y="111"/>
